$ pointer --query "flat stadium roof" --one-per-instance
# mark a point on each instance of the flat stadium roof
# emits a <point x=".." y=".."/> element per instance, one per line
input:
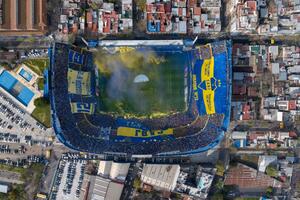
<point x="140" y="42"/>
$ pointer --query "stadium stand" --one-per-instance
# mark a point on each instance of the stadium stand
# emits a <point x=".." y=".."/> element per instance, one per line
<point x="198" y="129"/>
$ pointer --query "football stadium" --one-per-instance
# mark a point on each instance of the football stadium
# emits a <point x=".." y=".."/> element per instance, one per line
<point x="141" y="100"/>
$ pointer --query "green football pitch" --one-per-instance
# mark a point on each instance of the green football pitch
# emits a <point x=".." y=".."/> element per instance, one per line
<point x="160" y="93"/>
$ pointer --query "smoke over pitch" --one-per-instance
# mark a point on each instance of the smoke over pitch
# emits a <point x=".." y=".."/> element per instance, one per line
<point x="121" y="88"/>
<point x="134" y="81"/>
<point x="122" y="68"/>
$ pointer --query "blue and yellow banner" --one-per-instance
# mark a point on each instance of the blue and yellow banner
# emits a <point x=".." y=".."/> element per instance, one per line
<point x="208" y="76"/>
<point x="87" y="108"/>
<point x="75" y="57"/>
<point x="141" y="133"/>
<point x="79" y="82"/>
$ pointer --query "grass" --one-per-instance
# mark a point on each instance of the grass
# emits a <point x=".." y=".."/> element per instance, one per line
<point x="36" y="171"/>
<point x="19" y="170"/>
<point x="42" y="111"/>
<point x="31" y="177"/>
<point x="37" y="65"/>
<point x="40" y="83"/>
<point x="36" y="168"/>
<point x="161" y="95"/>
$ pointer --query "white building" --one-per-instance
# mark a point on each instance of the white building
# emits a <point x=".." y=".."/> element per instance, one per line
<point x="113" y="170"/>
<point x="3" y="188"/>
<point x="104" y="168"/>
<point x="119" y="170"/>
<point x="161" y="176"/>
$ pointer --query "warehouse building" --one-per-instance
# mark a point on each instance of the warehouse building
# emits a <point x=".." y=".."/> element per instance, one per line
<point x="162" y="177"/>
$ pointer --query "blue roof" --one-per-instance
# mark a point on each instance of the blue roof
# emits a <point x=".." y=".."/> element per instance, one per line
<point x="7" y="81"/>
<point x="26" y="75"/>
<point x="25" y="96"/>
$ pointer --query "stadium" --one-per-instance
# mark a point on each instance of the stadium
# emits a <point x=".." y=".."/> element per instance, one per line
<point x="141" y="99"/>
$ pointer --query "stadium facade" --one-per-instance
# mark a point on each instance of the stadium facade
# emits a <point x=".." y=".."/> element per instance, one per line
<point x="77" y="124"/>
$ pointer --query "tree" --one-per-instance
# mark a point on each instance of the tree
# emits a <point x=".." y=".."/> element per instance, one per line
<point x="219" y="185"/>
<point x="220" y="168"/>
<point x="174" y="196"/>
<point x="269" y="192"/>
<point x="40" y="102"/>
<point x="272" y="171"/>
<point x="217" y="196"/>
<point x="137" y="183"/>
<point x="141" y="4"/>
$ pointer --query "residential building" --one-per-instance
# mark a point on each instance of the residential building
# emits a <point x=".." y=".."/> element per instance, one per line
<point x="249" y="179"/>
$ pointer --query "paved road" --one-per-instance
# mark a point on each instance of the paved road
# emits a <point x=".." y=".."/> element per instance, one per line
<point x="50" y="169"/>
<point x="18" y="42"/>
<point x="45" y="42"/>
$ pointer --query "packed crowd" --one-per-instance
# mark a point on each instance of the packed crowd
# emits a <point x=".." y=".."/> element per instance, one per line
<point x="84" y="132"/>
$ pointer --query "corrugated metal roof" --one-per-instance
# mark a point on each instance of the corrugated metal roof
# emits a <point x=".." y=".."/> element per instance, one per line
<point x="239" y="135"/>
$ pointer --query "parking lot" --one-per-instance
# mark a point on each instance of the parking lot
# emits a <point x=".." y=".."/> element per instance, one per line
<point x="15" y="151"/>
<point x="35" y="53"/>
<point x="68" y="180"/>
<point x="19" y="126"/>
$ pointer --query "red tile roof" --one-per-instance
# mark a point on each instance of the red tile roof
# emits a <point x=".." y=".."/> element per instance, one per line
<point x="149" y="7"/>
<point x="239" y="89"/>
<point x="197" y="10"/>
<point x="246" y="112"/>
<point x="292" y="105"/>
<point x="252" y="5"/>
<point x="180" y="11"/>
<point x="252" y="92"/>
<point x="168" y="7"/>
<point x="94" y="28"/>
<point x="160" y="8"/>
<point x="249" y="178"/>
<point x="89" y="17"/>
<point x="272" y="146"/>
<point x="293" y="134"/>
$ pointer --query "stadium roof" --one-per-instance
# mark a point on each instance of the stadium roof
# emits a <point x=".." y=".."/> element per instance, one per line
<point x="104" y="43"/>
